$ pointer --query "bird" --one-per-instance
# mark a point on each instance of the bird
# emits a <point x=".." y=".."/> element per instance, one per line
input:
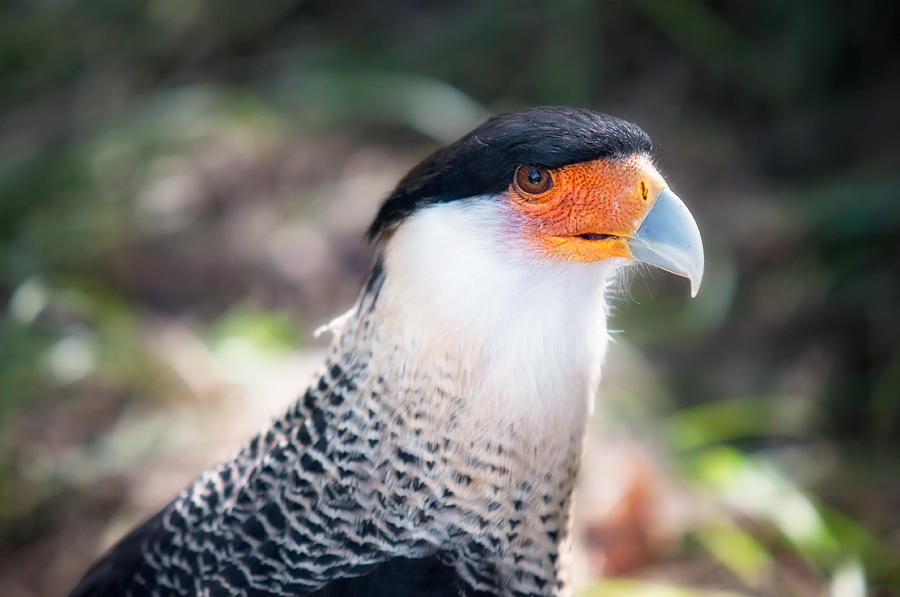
<point x="436" y="450"/>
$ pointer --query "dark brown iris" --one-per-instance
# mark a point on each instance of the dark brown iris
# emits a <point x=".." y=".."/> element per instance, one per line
<point x="533" y="180"/>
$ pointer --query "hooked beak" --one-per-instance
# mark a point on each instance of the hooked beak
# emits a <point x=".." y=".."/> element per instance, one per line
<point x="669" y="239"/>
<point x="613" y="208"/>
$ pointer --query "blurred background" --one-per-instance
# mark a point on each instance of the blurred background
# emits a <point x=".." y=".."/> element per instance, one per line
<point x="184" y="186"/>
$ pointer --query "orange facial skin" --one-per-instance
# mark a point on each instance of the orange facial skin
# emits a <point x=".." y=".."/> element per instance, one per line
<point x="599" y="197"/>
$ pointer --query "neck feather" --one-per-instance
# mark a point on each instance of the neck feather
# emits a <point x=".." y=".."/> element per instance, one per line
<point x="516" y="340"/>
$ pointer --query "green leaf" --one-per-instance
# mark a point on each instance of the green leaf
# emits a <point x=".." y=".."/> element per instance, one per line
<point x="737" y="549"/>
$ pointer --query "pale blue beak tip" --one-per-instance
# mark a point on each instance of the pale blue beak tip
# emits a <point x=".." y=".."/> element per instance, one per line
<point x="669" y="239"/>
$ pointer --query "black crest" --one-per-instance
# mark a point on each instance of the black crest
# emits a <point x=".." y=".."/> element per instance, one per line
<point x="483" y="161"/>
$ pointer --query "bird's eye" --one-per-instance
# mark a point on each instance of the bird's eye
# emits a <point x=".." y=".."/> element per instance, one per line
<point x="533" y="180"/>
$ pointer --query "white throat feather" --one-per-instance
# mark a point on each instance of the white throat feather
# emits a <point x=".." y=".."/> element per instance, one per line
<point x="522" y="336"/>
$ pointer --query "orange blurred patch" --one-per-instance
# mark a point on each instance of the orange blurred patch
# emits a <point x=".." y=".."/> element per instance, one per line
<point x="628" y="537"/>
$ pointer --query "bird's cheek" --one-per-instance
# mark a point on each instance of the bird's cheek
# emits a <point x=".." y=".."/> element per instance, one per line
<point x="577" y="229"/>
<point x="573" y="248"/>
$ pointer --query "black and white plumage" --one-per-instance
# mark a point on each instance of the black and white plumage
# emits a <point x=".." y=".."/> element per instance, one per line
<point x="437" y="451"/>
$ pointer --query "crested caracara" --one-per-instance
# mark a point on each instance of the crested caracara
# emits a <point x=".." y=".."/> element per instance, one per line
<point x="436" y="451"/>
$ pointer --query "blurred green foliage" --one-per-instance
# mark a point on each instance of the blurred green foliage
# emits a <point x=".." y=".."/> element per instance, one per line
<point x="137" y="140"/>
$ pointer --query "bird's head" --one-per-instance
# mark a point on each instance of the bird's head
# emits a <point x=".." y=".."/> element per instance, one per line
<point x="496" y="253"/>
<point x="558" y="185"/>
